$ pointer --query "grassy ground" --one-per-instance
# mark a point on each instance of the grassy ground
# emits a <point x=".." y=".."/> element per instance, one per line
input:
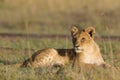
<point x="110" y="50"/>
<point x="56" y="17"/>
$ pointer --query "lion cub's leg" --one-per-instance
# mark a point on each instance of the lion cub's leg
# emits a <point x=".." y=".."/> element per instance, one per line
<point x="105" y="65"/>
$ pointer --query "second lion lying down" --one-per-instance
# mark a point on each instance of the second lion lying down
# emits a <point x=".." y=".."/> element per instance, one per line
<point x="85" y="51"/>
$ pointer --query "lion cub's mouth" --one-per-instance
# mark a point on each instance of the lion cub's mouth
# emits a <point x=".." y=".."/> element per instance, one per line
<point x="78" y="49"/>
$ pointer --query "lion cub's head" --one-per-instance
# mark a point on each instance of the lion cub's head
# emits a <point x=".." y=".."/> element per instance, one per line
<point x="82" y="39"/>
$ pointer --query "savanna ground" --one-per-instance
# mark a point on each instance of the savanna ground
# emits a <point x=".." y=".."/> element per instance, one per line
<point x="56" y="17"/>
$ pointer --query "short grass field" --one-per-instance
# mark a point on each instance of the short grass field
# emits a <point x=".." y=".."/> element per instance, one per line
<point x="17" y="51"/>
<point x="56" y="17"/>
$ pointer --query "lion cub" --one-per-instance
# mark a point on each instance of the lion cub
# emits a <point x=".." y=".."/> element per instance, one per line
<point x="85" y="51"/>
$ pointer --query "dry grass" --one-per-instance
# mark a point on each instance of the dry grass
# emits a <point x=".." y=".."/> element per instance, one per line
<point x="57" y="17"/>
<point x="18" y="55"/>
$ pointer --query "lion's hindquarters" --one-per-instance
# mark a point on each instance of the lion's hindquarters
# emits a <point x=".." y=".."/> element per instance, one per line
<point x="42" y="58"/>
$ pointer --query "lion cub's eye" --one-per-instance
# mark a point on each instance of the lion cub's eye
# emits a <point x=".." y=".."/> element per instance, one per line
<point x="83" y="39"/>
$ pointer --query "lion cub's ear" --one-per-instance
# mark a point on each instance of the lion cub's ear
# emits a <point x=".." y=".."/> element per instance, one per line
<point x="74" y="30"/>
<point x="91" y="31"/>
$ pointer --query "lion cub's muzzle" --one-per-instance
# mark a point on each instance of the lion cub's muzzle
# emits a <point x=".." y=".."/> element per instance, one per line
<point x="78" y="49"/>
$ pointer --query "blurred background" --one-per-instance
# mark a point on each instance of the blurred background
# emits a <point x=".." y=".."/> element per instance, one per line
<point x="58" y="16"/>
<point x="30" y="25"/>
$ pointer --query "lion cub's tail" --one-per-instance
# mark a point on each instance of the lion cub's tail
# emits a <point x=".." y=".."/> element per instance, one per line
<point x="17" y="65"/>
